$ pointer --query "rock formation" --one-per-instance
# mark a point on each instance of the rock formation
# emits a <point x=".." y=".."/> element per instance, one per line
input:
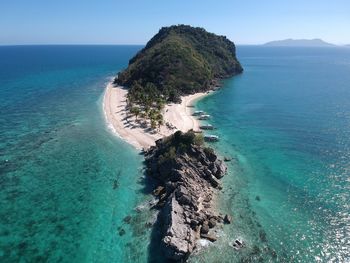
<point x="188" y="175"/>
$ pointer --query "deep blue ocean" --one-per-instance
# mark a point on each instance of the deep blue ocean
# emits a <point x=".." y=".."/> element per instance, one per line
<point x="67" y="183"/>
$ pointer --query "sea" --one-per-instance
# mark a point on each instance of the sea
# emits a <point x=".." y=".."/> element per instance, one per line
<point x="72" y="191"/>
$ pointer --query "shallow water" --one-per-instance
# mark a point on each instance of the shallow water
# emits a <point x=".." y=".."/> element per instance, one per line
<point x="68" y="184"/>
<point x="66" y="181"/>
<point x="285" y="121"/>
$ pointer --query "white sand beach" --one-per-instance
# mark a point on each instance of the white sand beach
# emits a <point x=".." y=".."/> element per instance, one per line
<point x="179" y="116"/>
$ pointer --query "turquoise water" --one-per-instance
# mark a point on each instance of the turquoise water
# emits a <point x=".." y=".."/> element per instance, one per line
<point x="67" y="182"/>
<point x="286" y="121"/>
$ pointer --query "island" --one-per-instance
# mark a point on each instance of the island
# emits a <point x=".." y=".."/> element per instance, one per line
<point x="179" y="60"/>
<point x="299" y="43"/>
<point x="152" y="97"/>
<point x="150" y="105"/>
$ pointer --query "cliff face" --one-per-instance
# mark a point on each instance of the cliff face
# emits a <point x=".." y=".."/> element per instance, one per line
<point x="181" y="60"/>
<point x="188" y="177"/>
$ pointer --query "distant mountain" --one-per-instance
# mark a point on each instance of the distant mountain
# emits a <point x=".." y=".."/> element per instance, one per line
<point x="347" y="45"/>
<point x="299" y="43"/>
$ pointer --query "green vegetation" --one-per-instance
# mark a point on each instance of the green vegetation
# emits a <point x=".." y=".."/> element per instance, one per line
<point x="179" y="60"/>
<point x="178" y="143"/>
<point x="146" y="103"/>
<point x="208" y="150"/>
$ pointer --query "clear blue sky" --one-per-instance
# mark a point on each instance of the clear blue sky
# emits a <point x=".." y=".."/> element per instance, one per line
<point x="135" y="21"/>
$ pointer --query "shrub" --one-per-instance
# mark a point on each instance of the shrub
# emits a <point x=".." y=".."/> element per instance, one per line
<point x="208" y="150"/>
<point x="198" y="139"/>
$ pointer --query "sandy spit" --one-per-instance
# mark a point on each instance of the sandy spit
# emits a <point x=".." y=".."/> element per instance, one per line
<point x="178" y="116"/>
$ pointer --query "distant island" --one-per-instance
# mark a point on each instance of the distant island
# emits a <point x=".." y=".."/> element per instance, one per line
<point x="299" y="43"/>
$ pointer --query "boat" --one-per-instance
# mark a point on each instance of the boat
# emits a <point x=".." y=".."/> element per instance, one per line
<point x="211" y="138"/>
<point x="238" y="244"/>
<point x="198" y="113"/>
<point x="204" y="117"/>
<point x="207" y="127"/>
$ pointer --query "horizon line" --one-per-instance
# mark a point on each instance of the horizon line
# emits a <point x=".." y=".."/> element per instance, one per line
<point x="75" y="44"/>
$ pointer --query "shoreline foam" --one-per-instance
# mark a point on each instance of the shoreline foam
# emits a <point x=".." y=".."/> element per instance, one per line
<point x="130" y="130"/>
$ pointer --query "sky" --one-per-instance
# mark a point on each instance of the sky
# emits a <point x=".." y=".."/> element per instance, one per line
<point x="136" y="21"/>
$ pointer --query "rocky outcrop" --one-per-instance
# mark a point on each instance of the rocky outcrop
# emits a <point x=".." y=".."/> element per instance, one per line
<point x="188" y="179"/>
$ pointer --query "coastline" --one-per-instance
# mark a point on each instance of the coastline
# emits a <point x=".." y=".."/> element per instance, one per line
<point x="177" y="116"/>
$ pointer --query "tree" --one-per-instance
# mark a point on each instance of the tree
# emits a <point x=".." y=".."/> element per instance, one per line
<point x="143" y="115"/>
<point x="160" y="123"/>
<point x="160" y="103"/>
<point x="135" y="111"/>
<point x="153" y="123"/>
<point x="153" y="114"/>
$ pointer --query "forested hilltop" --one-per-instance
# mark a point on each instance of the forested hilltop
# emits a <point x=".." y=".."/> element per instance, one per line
<point x="178" y="60"/>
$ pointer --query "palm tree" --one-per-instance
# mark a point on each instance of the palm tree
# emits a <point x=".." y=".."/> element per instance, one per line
<point x="147" y="110"/>
<point x="160" y="103"/>
<point x="143" y="115"/>
<point x="153" y="123"/>
<point x="160" y="123"/>
<point x="129" y="103"/>
<point x="135" y="111"/>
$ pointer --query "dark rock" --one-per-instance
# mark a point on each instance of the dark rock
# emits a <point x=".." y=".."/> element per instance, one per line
<point x="205" y="228"/>
<point x="181" y="190"/>
<point x="220" y="219"/>
<point x="213" y="168"/>
<point x="170" y="186"/>
<point x="209" y="237"/>
<point x="262" y="235"/>
<point x="194" y="224"/>
<point x="165" y="170"/>
<point x="127" y="219"/>
<point x="159" y="190"/>
<point x="115" y="184"/>
<point x="121" y="232"/>
<point x="185" y="200"/>
<point x="162" y="197"/>
<point x="200" y="217"/>
<point x="227" y="159"/>
<point x="148" y="225"/>
<point x="257" y="198"/>
<point x="227" y="219"/>
<point x="221" y="169"/>
<point x="206" y="205"/>
<point x="212" y="222"/>
<point x="160" y="204"/>
<point x="211" y="155"/>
